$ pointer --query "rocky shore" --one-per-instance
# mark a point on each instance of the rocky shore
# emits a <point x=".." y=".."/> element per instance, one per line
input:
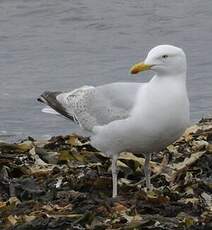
<point x="64" y="183"/>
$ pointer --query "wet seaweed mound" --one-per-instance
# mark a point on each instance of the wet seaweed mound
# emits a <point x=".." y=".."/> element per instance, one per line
<point x="64" y="183"/>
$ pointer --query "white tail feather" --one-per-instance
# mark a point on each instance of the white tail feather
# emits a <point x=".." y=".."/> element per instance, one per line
<point x="47" y="109"/>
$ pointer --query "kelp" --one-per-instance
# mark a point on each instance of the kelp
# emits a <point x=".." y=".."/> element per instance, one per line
<point x="64" y="183"/>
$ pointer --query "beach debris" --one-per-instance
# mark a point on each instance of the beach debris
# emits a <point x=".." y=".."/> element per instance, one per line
<point x="64" y="183"/>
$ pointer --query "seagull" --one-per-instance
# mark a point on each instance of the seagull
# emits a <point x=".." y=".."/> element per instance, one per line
<point x="142" y="118"/>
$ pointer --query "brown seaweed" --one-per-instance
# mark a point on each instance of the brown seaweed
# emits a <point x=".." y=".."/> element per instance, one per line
<point x="64" y="183"/>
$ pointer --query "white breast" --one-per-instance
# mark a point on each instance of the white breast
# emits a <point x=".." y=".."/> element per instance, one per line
<point x="162" y="108"/>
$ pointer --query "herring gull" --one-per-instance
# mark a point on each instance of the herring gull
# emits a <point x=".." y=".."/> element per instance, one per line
<point x="138" y="117"/>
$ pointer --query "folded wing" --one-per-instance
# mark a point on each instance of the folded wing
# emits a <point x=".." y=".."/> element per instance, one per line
<point x="93" y="106"/>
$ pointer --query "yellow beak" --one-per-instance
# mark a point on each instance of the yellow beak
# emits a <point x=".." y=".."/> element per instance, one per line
<point x="139" y="67"/>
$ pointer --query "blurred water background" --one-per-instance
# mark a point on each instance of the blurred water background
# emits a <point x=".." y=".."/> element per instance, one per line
<point x="60" y="45"/>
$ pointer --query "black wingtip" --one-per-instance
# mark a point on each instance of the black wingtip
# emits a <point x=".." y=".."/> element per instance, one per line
<point x="50" y="99"/>
<point x="39" y="99"/>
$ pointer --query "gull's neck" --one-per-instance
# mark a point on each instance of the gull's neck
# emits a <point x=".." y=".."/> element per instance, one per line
<point x="170" y="83"/>
<point x="179" y="77"/>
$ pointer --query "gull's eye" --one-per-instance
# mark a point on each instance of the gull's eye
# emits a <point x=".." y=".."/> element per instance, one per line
<point x="164" y="56"/>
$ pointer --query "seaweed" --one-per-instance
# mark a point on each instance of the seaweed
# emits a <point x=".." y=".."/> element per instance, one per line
<point x="64" y="183"/>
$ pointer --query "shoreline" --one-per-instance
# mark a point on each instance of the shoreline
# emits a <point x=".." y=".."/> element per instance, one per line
<point x="64" y="182"/>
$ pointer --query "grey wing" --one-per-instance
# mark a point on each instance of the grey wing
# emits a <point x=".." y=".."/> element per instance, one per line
<point x="115" y="101"/>
<point x="92" y="106"/>
<point x="120" y="94"/>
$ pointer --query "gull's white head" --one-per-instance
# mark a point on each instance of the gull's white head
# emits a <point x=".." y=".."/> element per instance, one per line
<point x="164" y="60"/>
